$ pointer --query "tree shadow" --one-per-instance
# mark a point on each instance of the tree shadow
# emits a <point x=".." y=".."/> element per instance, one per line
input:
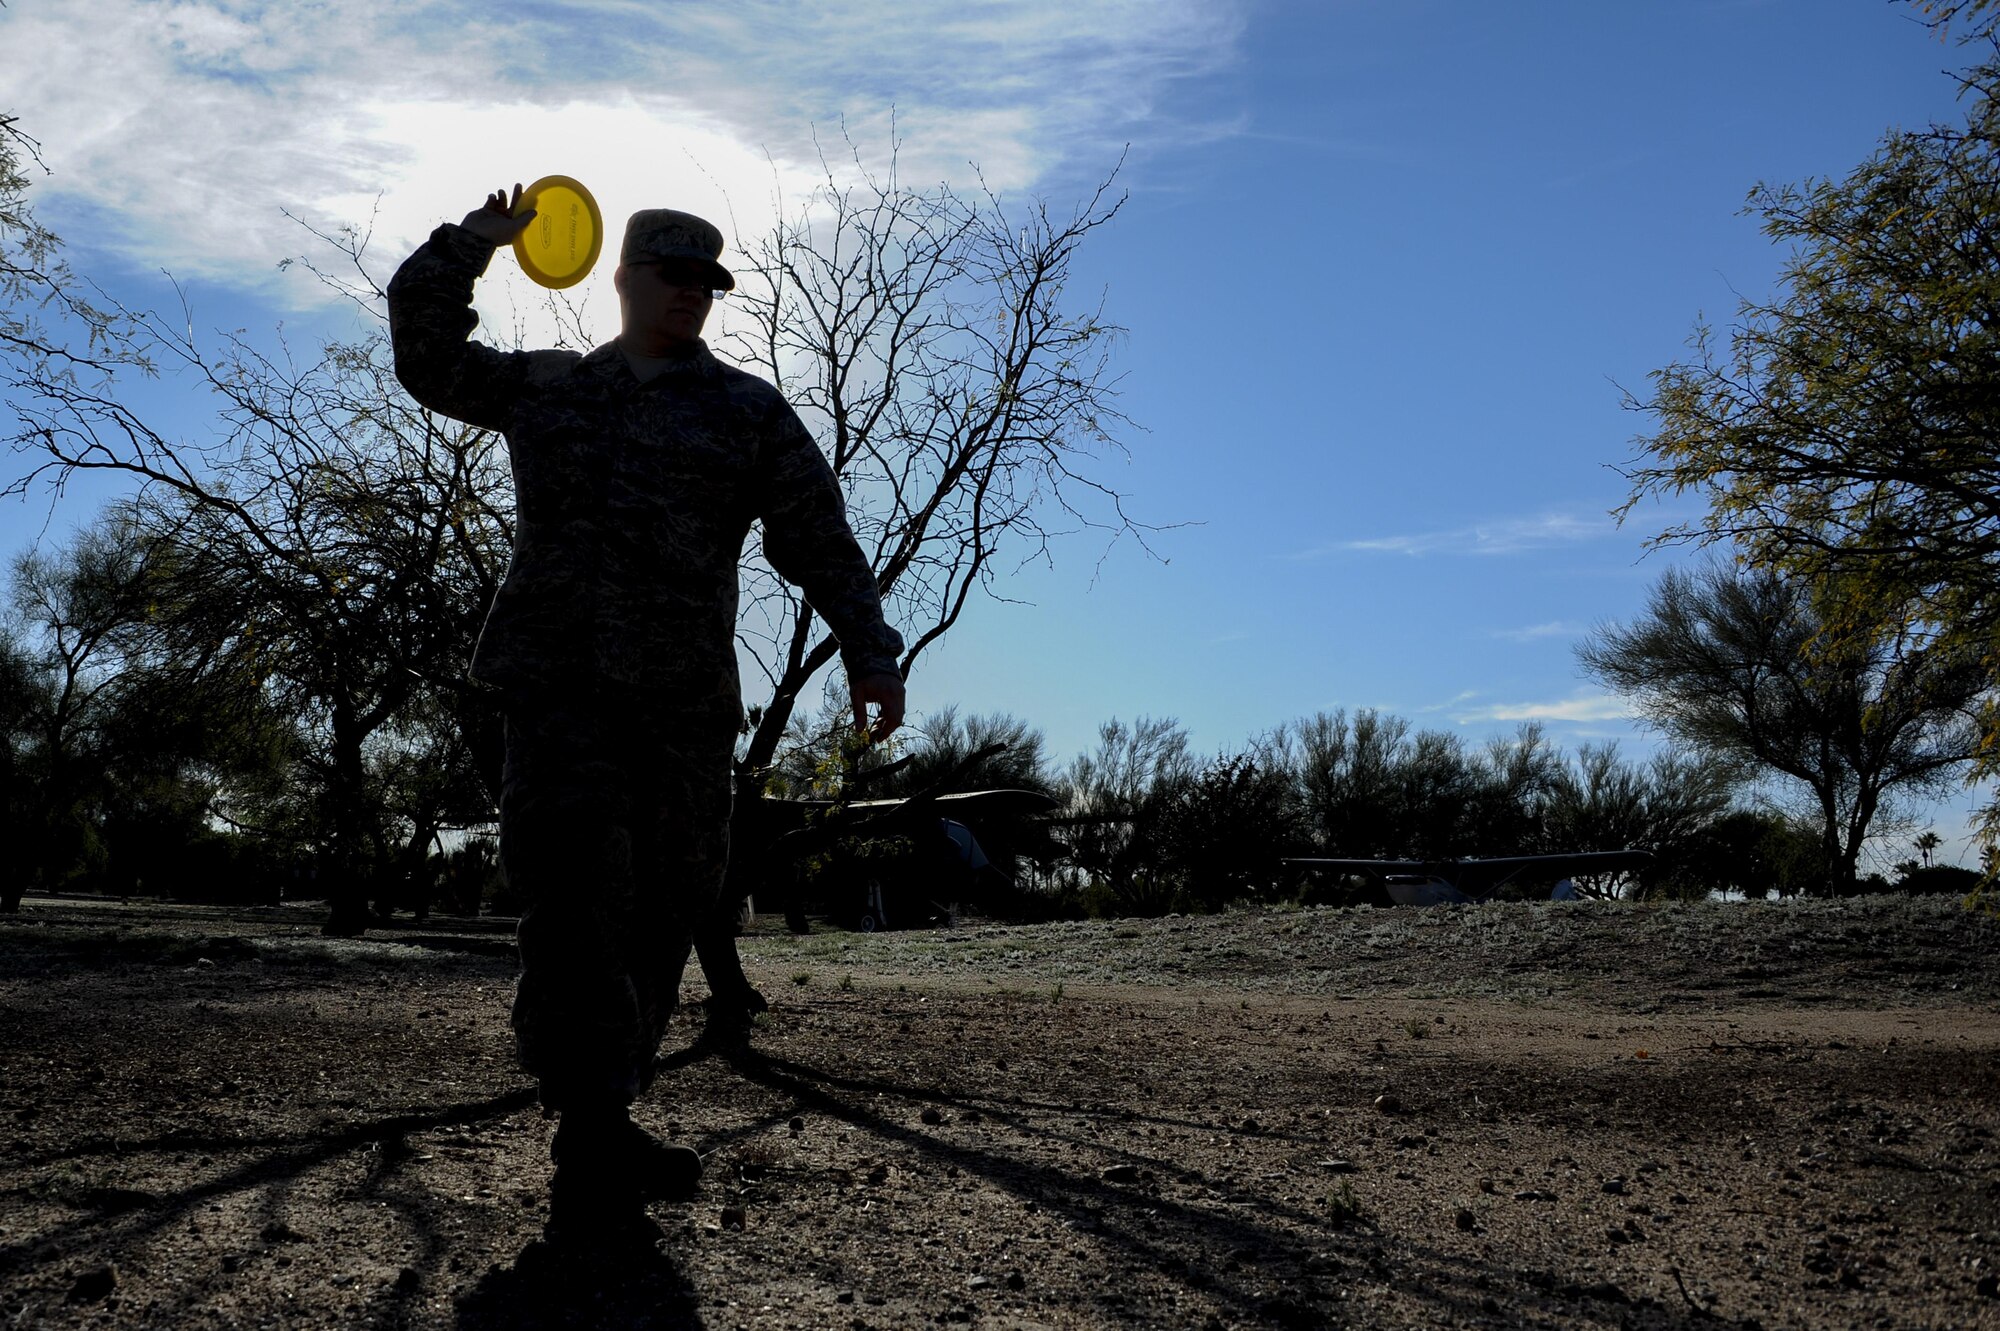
<point x="117" y="1220"/>
<point x="1267" y="1263"/>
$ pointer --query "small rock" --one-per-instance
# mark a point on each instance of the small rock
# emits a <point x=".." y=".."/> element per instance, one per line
<point x="232" y="1263"/>
<point x="341" y="1281"/>
<point x="845" y="1296"/>
<point x="207" y="962"/>
<point x="979" y="1282"/>
<point x="1016" y="1281"/>
<point x="1120" y="1174"/>
<point x="1337" y="1166"/>
<point x="734" y="1217"/>
<point x="1988" y="1287"/>
<point x="1388" y="1104"/>
<point x="932" y="1115"/>
<point x="1614" y="1186"/>
<point x="408" y="1279"/>
<point x="1250" y="1125"/>
<point x="94" y="1285"/>
<point x="280" y="1232"/>
<point x="797" y="1125"/>
<point x="1465" y="1220"/>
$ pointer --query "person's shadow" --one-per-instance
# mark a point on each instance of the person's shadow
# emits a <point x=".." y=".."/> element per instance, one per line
<point x="543" y="1291"/>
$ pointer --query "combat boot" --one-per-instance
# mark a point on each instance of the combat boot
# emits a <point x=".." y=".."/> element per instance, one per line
<point x="596" y="1200"/>
<point x="662" y="1171"/>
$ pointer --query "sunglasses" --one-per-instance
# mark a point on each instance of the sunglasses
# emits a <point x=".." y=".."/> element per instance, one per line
<point x="688" y="277"/>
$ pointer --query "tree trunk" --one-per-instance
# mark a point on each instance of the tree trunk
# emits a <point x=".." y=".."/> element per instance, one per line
<point x="347" y="893"/>
<point x="13" y="878"/>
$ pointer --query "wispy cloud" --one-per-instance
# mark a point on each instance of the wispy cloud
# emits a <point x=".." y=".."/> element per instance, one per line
<point x="1582" y="707"/>
<point x="1458" y="700"/>
<point x="1503" y="536"/>
<point x="1554" y="628"/>
<point x="181" y="133"/>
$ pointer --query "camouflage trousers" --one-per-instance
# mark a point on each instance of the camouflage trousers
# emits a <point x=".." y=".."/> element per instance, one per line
<point x="614" y="829"/>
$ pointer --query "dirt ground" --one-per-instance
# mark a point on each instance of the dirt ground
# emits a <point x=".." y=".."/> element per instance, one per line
<point x="1582" y="1115"/>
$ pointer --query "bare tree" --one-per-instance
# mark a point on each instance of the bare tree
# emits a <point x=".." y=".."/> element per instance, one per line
<point x="931" y="342"/>
<point x="36" y="286"/>
<point x="331" y="537"/>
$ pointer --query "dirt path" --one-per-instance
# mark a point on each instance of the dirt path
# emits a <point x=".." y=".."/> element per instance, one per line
<point x="1680" y="1117"/>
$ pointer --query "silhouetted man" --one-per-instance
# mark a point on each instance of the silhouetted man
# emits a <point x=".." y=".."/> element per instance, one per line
<point x="638" y="471"/>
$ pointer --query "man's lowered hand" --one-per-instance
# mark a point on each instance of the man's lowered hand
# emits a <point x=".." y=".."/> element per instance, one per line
<point x="885" y="692"/>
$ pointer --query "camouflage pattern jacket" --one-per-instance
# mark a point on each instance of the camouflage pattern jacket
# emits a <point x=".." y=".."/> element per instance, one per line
<point x="632" y="501"/>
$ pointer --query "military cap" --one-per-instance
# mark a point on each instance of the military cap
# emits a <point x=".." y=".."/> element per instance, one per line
<point x="662" y="235"/>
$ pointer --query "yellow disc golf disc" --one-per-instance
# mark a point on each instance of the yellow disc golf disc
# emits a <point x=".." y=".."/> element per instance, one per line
<point x="558" y="247"/>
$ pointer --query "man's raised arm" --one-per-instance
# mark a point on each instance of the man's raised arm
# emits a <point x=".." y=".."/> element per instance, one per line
<point x="431" y="318"/>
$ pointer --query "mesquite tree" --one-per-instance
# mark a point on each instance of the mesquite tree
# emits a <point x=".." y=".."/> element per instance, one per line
<point x="331" y="538"/>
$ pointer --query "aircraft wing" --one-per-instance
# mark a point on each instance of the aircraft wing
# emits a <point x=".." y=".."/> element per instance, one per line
<point x="1479" y="878"/>
<point x="1501" y="867"/>
<point x="975" y="803"/>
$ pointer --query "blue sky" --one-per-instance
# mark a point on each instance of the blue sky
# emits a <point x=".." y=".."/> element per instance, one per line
<point x="1385" y="267"/>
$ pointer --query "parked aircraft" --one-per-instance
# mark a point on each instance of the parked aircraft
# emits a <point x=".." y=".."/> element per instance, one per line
<point x="1468" y="881"/>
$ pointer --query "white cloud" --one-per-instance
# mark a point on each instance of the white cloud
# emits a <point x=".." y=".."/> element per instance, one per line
<point x="1582" y="707"/>
<point x="181" y="131"/>
<point x="1554" y="628"/>
<point x="1504" y="537"/>
<point x="1457" y="700"/>
<point x="1500" y="536"/>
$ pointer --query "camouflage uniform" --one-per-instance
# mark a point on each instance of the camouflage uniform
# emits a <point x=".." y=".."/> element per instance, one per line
<point x="612" y="640"/>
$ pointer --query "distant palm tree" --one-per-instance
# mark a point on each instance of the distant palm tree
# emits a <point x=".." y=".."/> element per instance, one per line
<point x="1927" y="843"/>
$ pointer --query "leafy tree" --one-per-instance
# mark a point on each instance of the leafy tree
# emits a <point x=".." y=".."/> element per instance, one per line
<point x="1941" y="14"/>
<point x="1843" y="434"/>
<point x="1370" y="787"/>
<point x="1114" y="799"/>
<point x="72" y="609"/>
<point x="1666" y="807"/>
<point x="1748" y="669"/>
<point x="1936" y="880"/>
<point x="120" y="750"/>
<point x="23" y="697"/>
<point x="945" y="745"/>
<point x="1758" y="853"/>
<point x="1223" y="832"/>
